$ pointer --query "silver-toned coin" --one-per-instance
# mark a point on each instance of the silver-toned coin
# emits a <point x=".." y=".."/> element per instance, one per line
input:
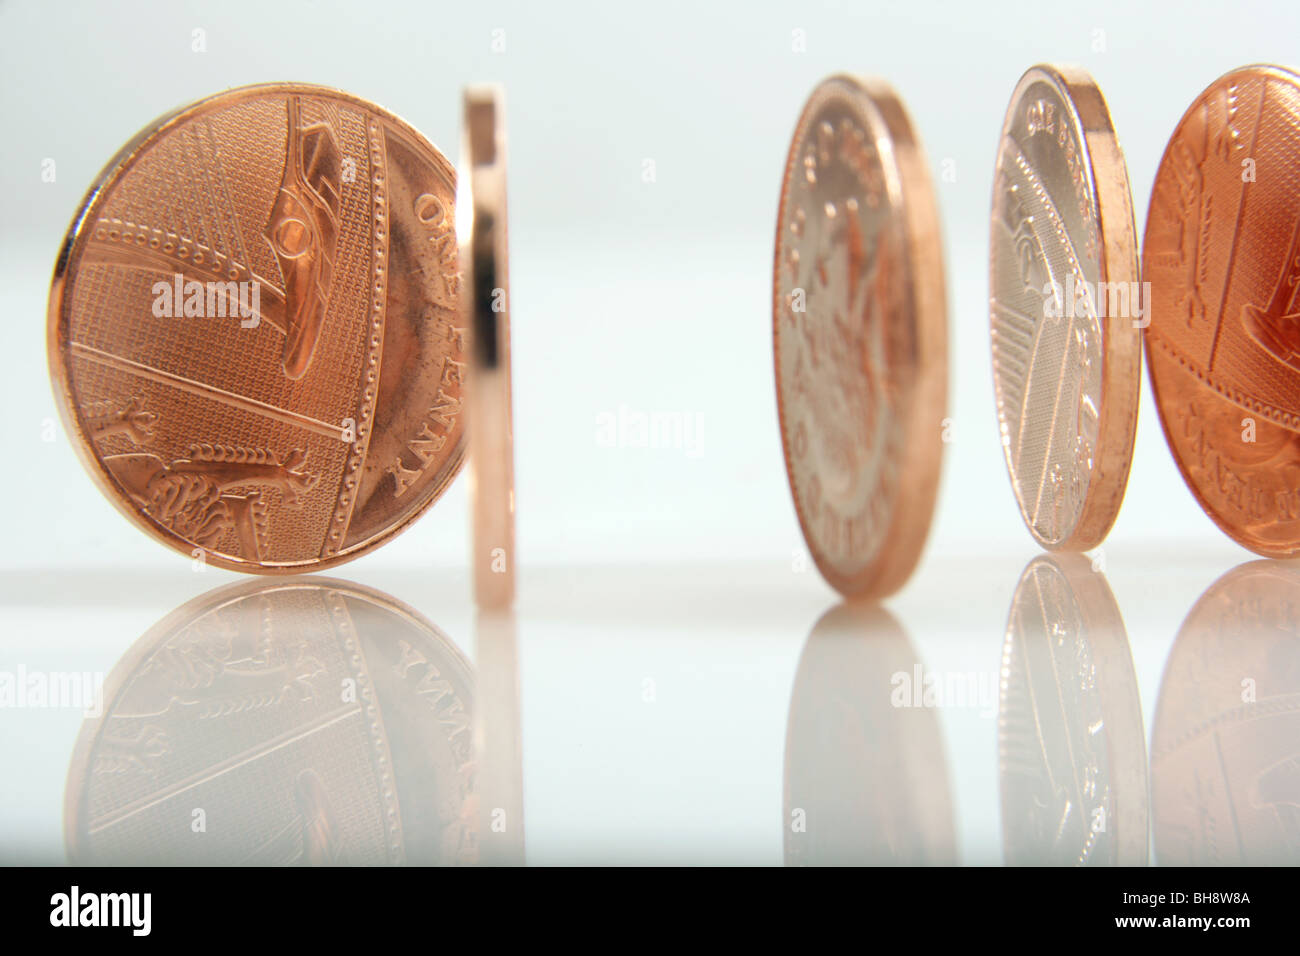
<point x="1064" y="308"/>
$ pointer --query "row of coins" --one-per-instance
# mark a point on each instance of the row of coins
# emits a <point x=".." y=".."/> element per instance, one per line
<point x="860" y="319"/>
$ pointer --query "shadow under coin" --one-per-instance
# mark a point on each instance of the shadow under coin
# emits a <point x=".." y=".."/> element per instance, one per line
<point x="1225" y="751"/>
<point x="866" y="781"/>
<point x="1071" y="749"/>
<point x="308" y="721"/>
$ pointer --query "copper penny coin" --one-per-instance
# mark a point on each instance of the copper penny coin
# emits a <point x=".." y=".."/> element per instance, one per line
<point x="860" y="334"/>
<point x="1064" y="308"/>
<point x="254" y="328"/>
<point x="306" y="721"/>
<point x="1225" y="745"/>
<point x="1072" y="760"/>
<point x="1222" y="255"/>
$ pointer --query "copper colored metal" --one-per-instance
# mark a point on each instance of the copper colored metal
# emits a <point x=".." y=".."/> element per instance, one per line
<point x="486" y="309"/>
<point x="1064" y="308"/>
<point x="254" y="328"/>
<point x="1225" y="744"/>
<point x="860" y="333"/>
<point x="1072" y="761"/>
<point x="1222" y="255"/>
<point x="311" y="722"/>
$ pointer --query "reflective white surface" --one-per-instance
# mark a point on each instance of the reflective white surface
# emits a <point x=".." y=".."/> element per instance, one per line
<point x="688" y="713"/>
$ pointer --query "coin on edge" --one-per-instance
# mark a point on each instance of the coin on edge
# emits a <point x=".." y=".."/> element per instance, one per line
<point x="254" y="328"/>
<point x="1064" y="308"/>
<point x="484" y="255"/>
<point x="860" y="331"/>
<point x="1222" y="255"/>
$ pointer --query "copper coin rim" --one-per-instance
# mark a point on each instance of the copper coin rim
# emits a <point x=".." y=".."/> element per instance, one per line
<point x="1121" y="374"/>
<point x="56" y="333"/>
<point x="489" y="400"/>
<point x="915" y="215"/>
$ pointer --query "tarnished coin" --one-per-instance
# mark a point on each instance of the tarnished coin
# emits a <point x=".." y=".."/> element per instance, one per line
<point x="1072" y="764"/>
<point x="1222" y="255"/>
<point x="254" y="328"/>
<point x="304" y="722"/>
<point x="1225" y="746"/>
<point x="1065" y="308"/>
<point x="860" y="335"/>
<point x="866" y="778"/>
<point x="484" y="259"/>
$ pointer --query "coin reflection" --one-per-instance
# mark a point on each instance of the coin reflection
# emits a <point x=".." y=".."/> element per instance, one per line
<point x="1225" y="751"/>
<point x="866" y="781"/>
<point x="498" y="740"/>
<point x="301" y="722"/>
<point x="1071" y="751"/>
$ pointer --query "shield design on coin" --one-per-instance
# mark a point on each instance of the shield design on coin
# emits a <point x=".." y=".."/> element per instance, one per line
<point x="255" y="328"/>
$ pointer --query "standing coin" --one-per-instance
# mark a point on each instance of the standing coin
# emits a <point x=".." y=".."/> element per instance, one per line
<point x="486" y="305"/>
<point x="254" y="328"/>
<point x="1222" y="255"/>
<point x="860" y="331"/>
<point x="1064" y="308"/>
